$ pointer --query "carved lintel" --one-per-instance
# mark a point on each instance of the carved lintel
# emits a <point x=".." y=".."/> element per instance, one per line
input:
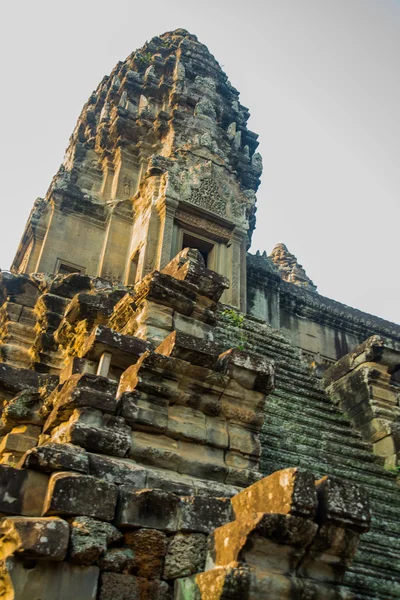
<point x="206" y="225"/>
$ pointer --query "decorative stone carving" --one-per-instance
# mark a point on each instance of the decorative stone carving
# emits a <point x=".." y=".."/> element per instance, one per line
<point x="202" y="223"/>
<point x="207" y="197"/>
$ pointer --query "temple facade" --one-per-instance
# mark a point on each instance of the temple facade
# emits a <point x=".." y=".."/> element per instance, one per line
<point x="181" y="419"/>
<point x="161" y="159"/>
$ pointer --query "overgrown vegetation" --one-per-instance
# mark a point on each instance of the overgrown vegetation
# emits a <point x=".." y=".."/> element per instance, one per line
<point x="236" y="320"/>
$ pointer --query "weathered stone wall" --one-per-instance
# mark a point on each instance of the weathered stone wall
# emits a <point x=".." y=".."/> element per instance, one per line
<point x="303" y="427"/>
<point x="124" y="438"/>
<point x="324" y="329"/>
<point x="366" y="385"/>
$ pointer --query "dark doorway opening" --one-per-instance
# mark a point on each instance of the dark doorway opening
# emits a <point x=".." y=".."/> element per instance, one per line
<point x="203" y="246"/>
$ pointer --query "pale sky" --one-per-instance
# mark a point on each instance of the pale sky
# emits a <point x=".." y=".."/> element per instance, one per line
<point x="321" y="80"/>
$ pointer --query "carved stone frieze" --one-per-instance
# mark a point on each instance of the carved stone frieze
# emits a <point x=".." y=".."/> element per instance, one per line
<point x="200" y="222"/>
<point x="207" y="197"/>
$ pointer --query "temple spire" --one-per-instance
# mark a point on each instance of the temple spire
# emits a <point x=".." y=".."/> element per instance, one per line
<point x="289" y="269"/>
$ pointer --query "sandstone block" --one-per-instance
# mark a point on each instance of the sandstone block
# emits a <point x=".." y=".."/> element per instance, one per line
<point x="76" y="494"/>
<point x="270" y="542"/>
<point x="23" y="408"/>
<point x="186" y="423"/>
<point x="189" y="266"/>
<point x="53" y="581"/>
<point x="82" y="391"/>
<point x="186" y="555"/>
<point x="200" y="397"/>
<point x="14" y="380"/>
<point x="170" y="481"/>
<point x="116" y="586"/>
<point x="330" y="554"/>
<point x="167" y="291"/>
<point x="57" y="457"/>
<point x="192" y="326"/>
<point x="252" y="371"/>
<point x="289" y="491"/>
<point x="117" y="471"/>
<point x="154" y="315"/>
<point x="242" y="406"/>
<point x="117" y="560"/>
<point x="90" y="539"/>
<point x="155" y="450"/>
<point x="217" y="432"/>
<point x="343" y="504"/>
<point x="125" y="349"/>
<point x="203" y="514"/>
<point x="16" y="442"/>
<point x="94" y="308"/>
<point x="34" y="538"/>
<point x="148" y="333"/>
<point x="213" y="488"/>
<point x="149" y="547"/>
<point x="75" y="365"/>
<point x="95" y="431"/>
<point x="202" y="461"/>
<point x="230" y="582"/>
<point x="194" y="350"/>
<point x="153" y="509"/>
<point x="241" y="477"/>
<point x="153" y="374"/>
<point x="240" y="582"/>
<point x="238" y="461"/>
<point x="22" y="492"/>
<point x="70" y="285"/>
<point x="243" y="440"/>
<point x="144" y="411"/>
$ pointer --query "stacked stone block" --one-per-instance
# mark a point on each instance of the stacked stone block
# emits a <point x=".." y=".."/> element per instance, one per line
<point x="366" y="385"/>
<point x="130" y="449"/>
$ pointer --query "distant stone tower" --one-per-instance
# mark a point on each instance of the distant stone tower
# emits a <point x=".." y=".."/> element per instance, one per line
<point x="160" y="159"/>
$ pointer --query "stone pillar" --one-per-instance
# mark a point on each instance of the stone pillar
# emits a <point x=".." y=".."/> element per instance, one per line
<point x="104" y="364"/>
<point x="166" y="209"/>
<point x="108" y="178"/>
<point x="114" y="256"/>
<point x="238" y="270"/>
<point x="243" y="276"/>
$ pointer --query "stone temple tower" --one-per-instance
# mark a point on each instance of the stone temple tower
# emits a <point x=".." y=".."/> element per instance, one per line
<point x="160" y="159"/>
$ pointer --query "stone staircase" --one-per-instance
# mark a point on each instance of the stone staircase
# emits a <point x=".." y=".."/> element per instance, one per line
<point x="303" y="428"/>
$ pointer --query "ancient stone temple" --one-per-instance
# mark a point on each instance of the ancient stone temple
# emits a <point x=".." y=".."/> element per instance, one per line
<point x="181" y="419"/>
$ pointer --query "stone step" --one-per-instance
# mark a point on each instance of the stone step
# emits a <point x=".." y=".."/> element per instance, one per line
<point x="379" y="555"/>
<point x="379" y="562"/>
<point x="259" y="342"/>
<point x="273" y="460"/>
<point x="308" y="449"/>
<point x="377" y="584"/>
<point x="315" y="397"/>
<point x="313" y="411"/>
<point x="313" y="439"/>
<point x="385" y="518"/>
<point x="300" y="419"/>
<point x="305" y="427"/>
<point x="302" y="380"/>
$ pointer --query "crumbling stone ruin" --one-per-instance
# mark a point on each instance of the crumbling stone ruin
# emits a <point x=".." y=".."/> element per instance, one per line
<point x="168" y="429"/>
